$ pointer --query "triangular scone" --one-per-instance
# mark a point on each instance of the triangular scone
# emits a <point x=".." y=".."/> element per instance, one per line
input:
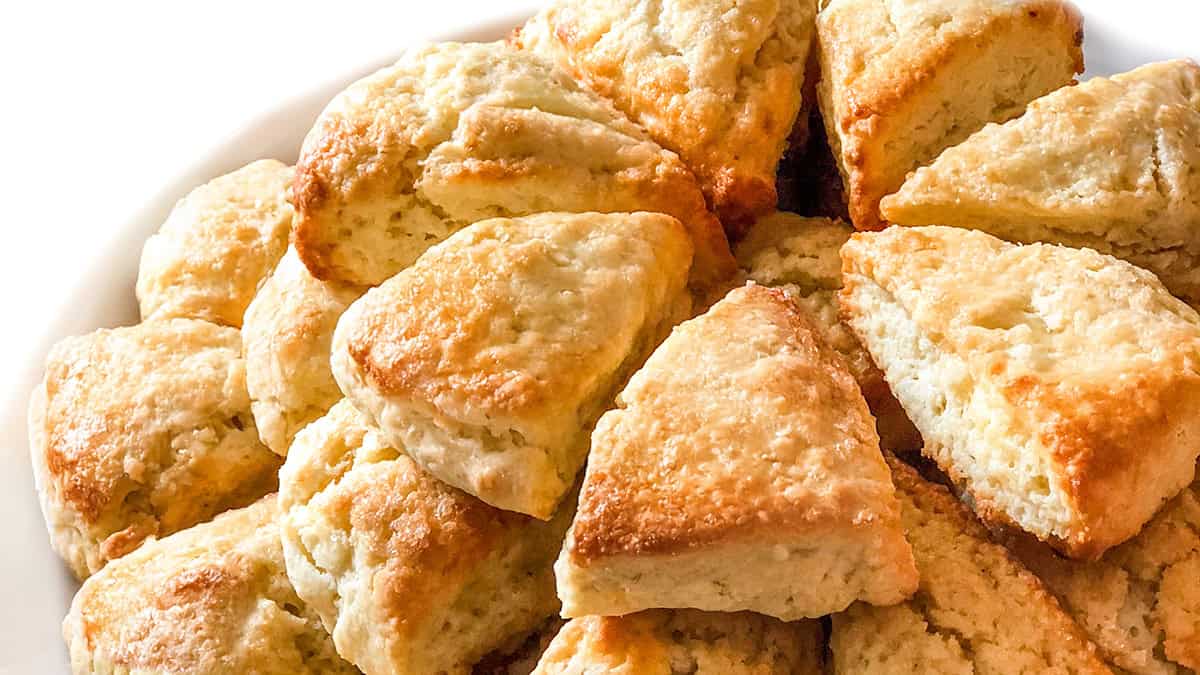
<point x="902" y="80"/>
<point x="717" y="82"/>
<point x="456" y="133"/>
<point x="671" y="641"/>
<point x="977" y="609"/>
<point x="490" y="359"/>
<point x="741" y="471"/>
<point x="1060" y="387"/>
<point x="1110" y="164"/>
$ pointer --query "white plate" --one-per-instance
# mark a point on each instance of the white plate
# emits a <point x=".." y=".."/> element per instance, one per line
<point x="35" y="589"/>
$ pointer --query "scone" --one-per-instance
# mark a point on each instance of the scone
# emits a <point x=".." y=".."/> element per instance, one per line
<point x="799" y="256"/>
<point x="977" y="609"/>
<point x="902" y="80"/>
<point x="490" y="359"/>
<point x="671" y="641"/>
<point x="217" y="246"/>
<point x="740" y="471"/>
<point x="1140" y="603"/>
<point x="408" y="574"/>
<point x="520" y="659"/>
<point x="286" y="339"/>
<point x="1109" y="164"/>
<point x="456" y="133"/>
<point x="142" y="431"/>
<point x="211" y="599"/>
<point x="1058" y="386"/>
<point x="717" y="82"/>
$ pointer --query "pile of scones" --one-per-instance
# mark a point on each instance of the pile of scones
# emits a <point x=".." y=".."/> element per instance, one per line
<point x="746" y="336"/>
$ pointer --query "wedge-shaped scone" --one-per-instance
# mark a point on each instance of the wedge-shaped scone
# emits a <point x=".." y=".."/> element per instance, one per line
<point x="902" y="80"/>
<point x="409" y="574"/>
<point x="286" y="340"/>
<point x="456" y="133"/>
<point x="211" y="599"/>
<point x="741" y="471"/>
<point x="1060" y="387"/>
<point x="490" y="359"/>
<point x="717" y="82"/>
<point x="218" y="245"/>
<point x="977" y="609"/>
<point x="142" y="431"/>
<point x="1110" y="164"/>
<point x="671" y="641"/>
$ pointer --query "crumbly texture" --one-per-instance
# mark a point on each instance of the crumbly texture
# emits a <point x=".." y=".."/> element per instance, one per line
<point x="408" y="574"/>
<point x="142" y="431"/>
<point x="211" y="599"/>
<point x="520" y="658"/>
<point x="672" y="641"/>
<point x="740" y="471"/>
<point x="977" y="609"/>
<point x="218" y="245"/>
<point x="1060" y="387"/>
<point x="902" y="80"/>
<point x="457" y="133"/>
<point x="286" y="340"/>
<point x="1111" y="164"/>
<point x="719" y="83"/>
<point x="490" y="359"/>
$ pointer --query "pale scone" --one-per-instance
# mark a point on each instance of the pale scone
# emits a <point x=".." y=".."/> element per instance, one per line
<point x="490" y="359"/>
<point x="217" y="246"/>
<point x="740" y="471"/>
<point x="902" y="80"/>
<point x="673" y="641"/>
<point x="212" y="599"/>
<point x="286" y="339"/>
<point x="977" y="609"/>
<point x="799" y="256"/>
<point x="456" y="133"/>
<point x="1109" y="164"/>
<point x="1059" y="387"/>
<point x="409" y="574"/>
<point x="717" y="82"/>
<point x="142" y="431"/>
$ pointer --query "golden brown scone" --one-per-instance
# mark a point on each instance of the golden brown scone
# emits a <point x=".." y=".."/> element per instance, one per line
<point x="740" y="471"/>
<point x="1058" y="386"/>
<point x="218" y="245"/>
<point x="717" y="82"/>
<point x="490" y="359"/>
<point x="1109" y="164"/>
<point x="211" y="599"/>
<point x="522" y="658"/>
<point x="902" y="80"/>
<point x="286" y="340"/>
<point x="409" y="574"/>
<point x="977" y="609"/>
<point x="799" y="256"/>
<point x="672" y="641"/>
<point x="142" y="431"/>
<point x="457" y="133"/>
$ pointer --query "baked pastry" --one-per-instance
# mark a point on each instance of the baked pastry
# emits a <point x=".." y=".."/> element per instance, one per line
<point x="490" y="359"/>
<point x="902" y="80"/>
<point x="1060" y="387"/>
<point x="977" y="609"/>
<point x="140" y="432"/>
<point x="1108" y="164"/>
<point x="740" y="471"/>
<point x="286" y="339"/>
<point x="800" y="256"/>
<point x="211" y="599"/>
<point x="456" y="133"/>
<point x="719" y="83"/>
<point x="520" y="659"/>
<point x="669" y="641"/>
<point x="408" y="574"/>
<point x="217" y="246"/>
